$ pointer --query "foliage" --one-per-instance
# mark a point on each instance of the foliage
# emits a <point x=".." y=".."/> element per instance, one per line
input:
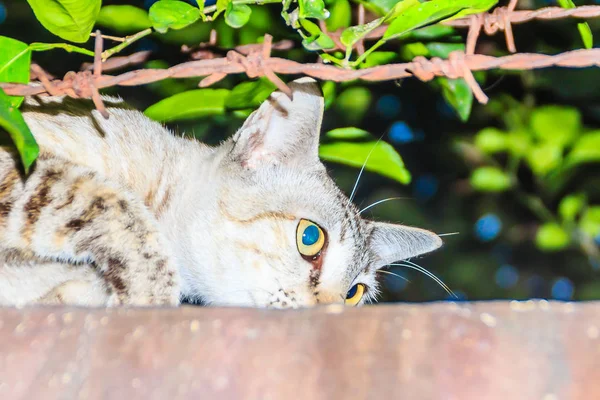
<point x="528" y="153"/>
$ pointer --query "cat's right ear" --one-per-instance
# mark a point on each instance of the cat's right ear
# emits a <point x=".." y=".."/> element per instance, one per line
<point x="283" y="130"/>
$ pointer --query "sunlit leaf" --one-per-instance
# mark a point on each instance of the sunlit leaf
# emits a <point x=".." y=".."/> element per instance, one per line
<point x="490" y="179"/>
<point x="459" y="95"/>
<point x="519" y="142"/>
<point x="15" y="58"/>
<point x="172" y="14"/>
<point x="586" y="149"/>
<point x="341" y="15"/>
<point x="350" y="36"/>
<point x="71" y="20"/>
<point x="384" y="160"/>
<point x="409" y="15"/>
<point x="570" y="206"/>
<point x="544" y="158"/>
<point x="237" y="15"/>
<point x="556" y="124"/>
<point x="354" y="103"/>
<point x="12" y="121"/>
<point x="124" y="19"/>
<point x="590" y="221"/>
<point x="552" y="237"/>
<point x="348" y="133"/>
<point x="491" y="140"/>
<point x="249" y="94"/>
<point x="189" y="105"/>
<point x="328" y="88"/>
<point x="584" y="28"/>
<point x="379" y="58"/>
<point x="312" y="9"/>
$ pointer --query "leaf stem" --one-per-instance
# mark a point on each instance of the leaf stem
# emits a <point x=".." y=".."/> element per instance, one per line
<point x="213" y="8"/>
<point x="126" y="42"/>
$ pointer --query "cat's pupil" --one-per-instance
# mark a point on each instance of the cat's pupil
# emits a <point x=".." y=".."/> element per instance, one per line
<point x="352" y="292"/>
<point x="310" y="235"/>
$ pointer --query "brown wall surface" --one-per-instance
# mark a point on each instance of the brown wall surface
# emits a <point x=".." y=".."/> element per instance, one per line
<point x="487" y="350"/>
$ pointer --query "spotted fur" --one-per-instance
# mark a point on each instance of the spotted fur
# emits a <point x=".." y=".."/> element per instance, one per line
<point x="120" y="211"/>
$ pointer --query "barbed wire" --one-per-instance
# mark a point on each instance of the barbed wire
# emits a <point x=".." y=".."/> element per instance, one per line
<point x="256" y="61"/>
<point x="500" y="19"/>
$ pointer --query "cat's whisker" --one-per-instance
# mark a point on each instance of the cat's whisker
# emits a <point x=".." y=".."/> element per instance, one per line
<point x="411" y="265"/>
<point x="363" y="168"/>
<point x="382" y="201"/>
<point x="448" y="234"/>
<point x="381" y="271"/>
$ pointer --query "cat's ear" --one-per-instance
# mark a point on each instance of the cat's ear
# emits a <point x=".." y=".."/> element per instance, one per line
<point x="283" y="130"/>
<point x="391" y="243"/>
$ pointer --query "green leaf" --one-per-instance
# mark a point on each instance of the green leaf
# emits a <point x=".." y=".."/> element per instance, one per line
<point x="443" y="50"/>
<point x="353" y="34"/>
<point x="15" y="58"/>
<point x="249" y="94"/>
<point x="354" y="103"/>
<point x="328" y="88"/>
<point x="12" y="121"/>
<point x="172" y="14"/>
<point x="590" y="221"/>
<point x="552" y="237"/>
<point x="348" y="133"/>
<point x="409" y="15"/>
<point x="379" y="58"/>
<point x="312" y="9"/>
<point x="384" y="160"/>
<point x="490" y="179"/>
<point x="71" y="20"/>
<point x="123" y="19"/>
<point x="380" y="7"/>
<point x="571" y="205"/>
<point x="519" y="142"/>
<point x="459" y="95"/>
<point x="189" y="105"/>
<point x="237" y="15"/>
<point x="586" y="149"/>
<point x="583" y="27"/>
<point x="544" y="158"/>
<point x="341" y="15"/>
<point x="316" y="40"/>
<point x="491" y="140"/>
<point x="556" y="124"/>
<point x="65" y="46"/>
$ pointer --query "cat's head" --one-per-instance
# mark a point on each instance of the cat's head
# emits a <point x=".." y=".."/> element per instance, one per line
<point x="286" y="235"/>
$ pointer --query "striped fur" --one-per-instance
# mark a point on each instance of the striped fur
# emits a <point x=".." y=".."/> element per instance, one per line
<point x="122" y="212"/>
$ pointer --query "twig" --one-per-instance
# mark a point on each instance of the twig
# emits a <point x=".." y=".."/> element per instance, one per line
<point x="126" y="42"/>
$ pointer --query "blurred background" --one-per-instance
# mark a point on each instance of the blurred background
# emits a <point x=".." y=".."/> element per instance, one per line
<point x="518" y="178"/>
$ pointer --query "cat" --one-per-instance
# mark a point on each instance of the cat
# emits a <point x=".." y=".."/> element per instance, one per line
<point x="120" y="211"/>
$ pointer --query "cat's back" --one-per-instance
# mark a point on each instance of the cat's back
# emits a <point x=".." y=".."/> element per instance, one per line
<point x="74" y="130"/>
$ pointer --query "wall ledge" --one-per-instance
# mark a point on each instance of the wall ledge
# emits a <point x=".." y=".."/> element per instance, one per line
<point x="483" y="350"/>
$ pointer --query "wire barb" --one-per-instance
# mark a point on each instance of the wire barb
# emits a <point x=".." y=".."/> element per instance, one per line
<point x="255" y="61"/>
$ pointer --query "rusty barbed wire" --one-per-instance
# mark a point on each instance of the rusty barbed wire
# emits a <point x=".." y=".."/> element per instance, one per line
<point x="501" y="19"/>
<point x="256" y="61"/>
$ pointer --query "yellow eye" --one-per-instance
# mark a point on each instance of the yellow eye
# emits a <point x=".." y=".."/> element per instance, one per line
<point x="355" y="294"/>
<point x="309" y="238"/>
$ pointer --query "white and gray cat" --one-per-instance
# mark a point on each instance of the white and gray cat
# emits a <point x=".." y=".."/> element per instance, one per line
<point x="122" y="212"/>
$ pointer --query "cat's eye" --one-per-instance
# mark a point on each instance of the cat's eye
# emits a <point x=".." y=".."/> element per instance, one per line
<point x="310" y="238"/>
<point x="354" y="295"/>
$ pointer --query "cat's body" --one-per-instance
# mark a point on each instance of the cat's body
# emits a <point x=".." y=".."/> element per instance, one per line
<point x="120" y="211"/>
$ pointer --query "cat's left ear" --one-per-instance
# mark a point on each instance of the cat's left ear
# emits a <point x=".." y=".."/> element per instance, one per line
<point x="390" y="243"/>
<point x="283" y="130"/>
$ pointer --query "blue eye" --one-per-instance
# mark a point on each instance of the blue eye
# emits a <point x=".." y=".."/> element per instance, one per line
<point x="352" y="292"/>
<point x="310" y="239"/>
<point x="310" y="235"/>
